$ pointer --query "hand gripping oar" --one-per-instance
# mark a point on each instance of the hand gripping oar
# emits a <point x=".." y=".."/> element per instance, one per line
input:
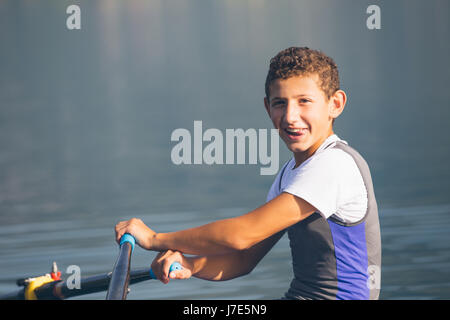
<point x="118" y="286"/>
<point x="174" y="266"/>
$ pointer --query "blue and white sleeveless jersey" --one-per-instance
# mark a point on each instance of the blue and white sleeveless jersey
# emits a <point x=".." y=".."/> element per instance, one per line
<point x="336" y="251"/>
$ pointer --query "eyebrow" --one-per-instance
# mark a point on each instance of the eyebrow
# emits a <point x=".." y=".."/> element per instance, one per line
<point x="297" y="96"/>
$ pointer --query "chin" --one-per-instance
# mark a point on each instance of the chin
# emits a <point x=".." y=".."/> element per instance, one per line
<point x="297" y="147"/>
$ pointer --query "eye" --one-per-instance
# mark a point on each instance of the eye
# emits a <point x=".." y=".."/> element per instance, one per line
<point x="277" y="104"/>
<point x="304" y="100"/>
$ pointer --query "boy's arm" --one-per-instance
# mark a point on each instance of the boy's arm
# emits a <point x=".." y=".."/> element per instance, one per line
<point x="239" y="263"/>
<point x="214" y="267"/>
<point x="226" y="235"/>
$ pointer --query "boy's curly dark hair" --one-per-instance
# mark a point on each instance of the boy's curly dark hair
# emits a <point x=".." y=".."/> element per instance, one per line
<point x="295" y="61"/>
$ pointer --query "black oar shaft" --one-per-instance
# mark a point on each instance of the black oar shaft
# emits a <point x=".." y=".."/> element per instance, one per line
<point x="118" y="287"/>
<point x="91" y="284"/>
<point x="62" y="290"/>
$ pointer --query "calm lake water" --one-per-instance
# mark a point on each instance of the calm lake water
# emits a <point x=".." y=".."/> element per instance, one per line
<point x="86" y="118"/>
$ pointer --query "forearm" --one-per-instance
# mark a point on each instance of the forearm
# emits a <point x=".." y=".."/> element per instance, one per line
<point x="231" y="265"/>
<point x="220" y="267"/>
<point x="219" y="237"/>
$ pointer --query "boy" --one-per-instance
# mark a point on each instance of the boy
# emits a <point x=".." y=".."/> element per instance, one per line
<point x="323" y="197"/>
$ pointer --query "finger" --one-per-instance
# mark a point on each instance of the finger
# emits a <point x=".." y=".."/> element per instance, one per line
<point x="174" y="257"/>
<point x="120" y="229"/>
<point x="120" y="233"/>
<point x="159" y="255"/>
<point x="158" y="266"/>
<point x="180" y="274"/>
<point x="125" y="227"/>
<point x="167" y="262"/>
<point x="155" y="266"/>
<point x="121" y="225"/>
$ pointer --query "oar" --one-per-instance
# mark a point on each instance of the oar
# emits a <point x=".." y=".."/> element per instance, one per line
<point x="118" y="286"/>
<point x="92" y="284"/>
<point x="97" y="283"/>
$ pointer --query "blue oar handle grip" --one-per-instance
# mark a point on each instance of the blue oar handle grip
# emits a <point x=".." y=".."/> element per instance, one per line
<point x="128" y="238"/>
<point x="173" y="267"/>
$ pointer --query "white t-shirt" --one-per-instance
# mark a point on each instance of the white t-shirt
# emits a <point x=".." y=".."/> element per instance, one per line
<point x="329" y="180"/>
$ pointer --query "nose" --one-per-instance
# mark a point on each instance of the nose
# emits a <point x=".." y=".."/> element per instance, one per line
<point x="291" y="112"/>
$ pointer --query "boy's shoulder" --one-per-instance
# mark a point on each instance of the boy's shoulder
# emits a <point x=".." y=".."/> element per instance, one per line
<point x="332" y="153"/>
<point x="334" y="161"/>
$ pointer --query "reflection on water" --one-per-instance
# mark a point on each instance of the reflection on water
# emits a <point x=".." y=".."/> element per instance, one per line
<point x="86" y="119"/>
<point x="416" y="252"/>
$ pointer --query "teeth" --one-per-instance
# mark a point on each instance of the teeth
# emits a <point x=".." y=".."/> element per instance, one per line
<point x="294" y="130"/>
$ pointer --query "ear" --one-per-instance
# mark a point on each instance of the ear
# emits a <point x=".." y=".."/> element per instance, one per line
<point x="337" y="103"/>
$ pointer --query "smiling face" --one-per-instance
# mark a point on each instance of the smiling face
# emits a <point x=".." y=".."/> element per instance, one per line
<point x="302" y="113"/>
